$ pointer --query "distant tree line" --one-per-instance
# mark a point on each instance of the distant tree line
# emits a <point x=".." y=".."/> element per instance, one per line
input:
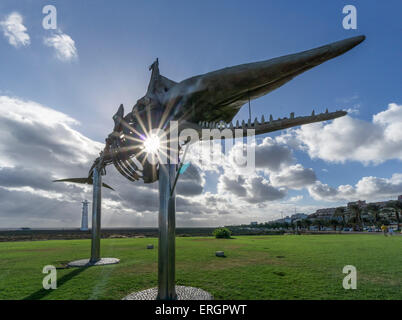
<point x="354" y="217"/>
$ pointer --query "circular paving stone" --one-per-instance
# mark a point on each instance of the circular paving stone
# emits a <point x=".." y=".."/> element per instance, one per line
<point x="86" y="263"/>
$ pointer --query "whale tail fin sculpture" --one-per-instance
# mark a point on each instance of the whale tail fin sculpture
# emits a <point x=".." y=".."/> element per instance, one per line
<point x="88" y="180"/>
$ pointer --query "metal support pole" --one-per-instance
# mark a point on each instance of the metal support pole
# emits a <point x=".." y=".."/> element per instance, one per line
<point x="167" y="226"/>
<point x="96" y="214"/>
<point x="84" y="219"/>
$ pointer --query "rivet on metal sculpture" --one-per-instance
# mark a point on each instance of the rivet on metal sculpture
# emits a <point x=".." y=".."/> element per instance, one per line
<point x="209" y="101"/>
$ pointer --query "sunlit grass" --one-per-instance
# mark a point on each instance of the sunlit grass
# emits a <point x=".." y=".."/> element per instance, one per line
<point x="256" y="267"/>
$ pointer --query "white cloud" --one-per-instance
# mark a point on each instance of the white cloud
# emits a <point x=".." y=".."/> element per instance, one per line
<point x="260" y="190"/>
<point x="39" y="144"/>
<point x="235" y="185"/>
<point x="273" y="175"/>
<point x="349" y="139"/>
<point x="63" y="45"/>
<point x="14" y="30"/>
<point x="294" y="177"/>
<point x="252" y="189"/>
<point x="191" y="182"/>
<point x="353" y="110"/>
<point x="296" y="198"/>
<point x="367" y="188"/>
<point x="32" y="132"/>
<point x="200" y="156"/>
<point x="270" y="156"/>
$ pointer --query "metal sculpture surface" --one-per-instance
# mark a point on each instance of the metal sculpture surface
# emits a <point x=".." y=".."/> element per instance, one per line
<point x="84" y="218"/>
<point x="205" y="101"/>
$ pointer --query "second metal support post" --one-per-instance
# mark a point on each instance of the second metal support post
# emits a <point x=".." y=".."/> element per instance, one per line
<point x="96" y="215"/>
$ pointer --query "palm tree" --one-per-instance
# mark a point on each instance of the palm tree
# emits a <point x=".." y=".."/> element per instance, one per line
<point x="397" y="207"/>
<point x="374" y="210"/>
<point x="334" y="223"/>
<point x="356" y="211"/>
<point x="340" y="212"/>
<point x="319" y="223"/>
<point x="352" y="222"/>
<point x="307" y="223"/>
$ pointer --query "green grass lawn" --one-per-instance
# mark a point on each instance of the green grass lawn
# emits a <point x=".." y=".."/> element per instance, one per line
<point x="256" y="267"/>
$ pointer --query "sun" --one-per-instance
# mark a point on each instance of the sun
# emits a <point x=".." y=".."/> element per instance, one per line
<point x="152" y="144"/>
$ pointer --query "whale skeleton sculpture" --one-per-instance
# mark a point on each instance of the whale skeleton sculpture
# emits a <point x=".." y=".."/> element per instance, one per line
<point x="205" y="101"/>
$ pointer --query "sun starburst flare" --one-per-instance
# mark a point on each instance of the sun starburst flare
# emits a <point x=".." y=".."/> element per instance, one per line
<point x="152" y="144"/>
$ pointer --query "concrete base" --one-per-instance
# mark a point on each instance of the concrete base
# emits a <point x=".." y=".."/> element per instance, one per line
<point x="183" y="293"/>
<point x="85" y="262"/>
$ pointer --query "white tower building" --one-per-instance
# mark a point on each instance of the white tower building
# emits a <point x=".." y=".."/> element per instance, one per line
<point x="84" y="221"/>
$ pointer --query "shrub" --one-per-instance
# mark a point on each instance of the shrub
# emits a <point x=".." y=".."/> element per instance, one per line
<point x="224" y="233"/>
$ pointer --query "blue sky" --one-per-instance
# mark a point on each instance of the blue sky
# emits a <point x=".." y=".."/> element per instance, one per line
<point x="116" y="42"/>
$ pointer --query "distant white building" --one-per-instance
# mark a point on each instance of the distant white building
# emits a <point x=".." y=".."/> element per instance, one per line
<point x="84" y="220"/>
<point x="299" y="216"/>
<point x="287" y="219"/>
<point x="323" y="214"/>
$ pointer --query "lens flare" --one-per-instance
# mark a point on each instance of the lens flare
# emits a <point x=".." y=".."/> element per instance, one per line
<point x="152" y="144"/>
